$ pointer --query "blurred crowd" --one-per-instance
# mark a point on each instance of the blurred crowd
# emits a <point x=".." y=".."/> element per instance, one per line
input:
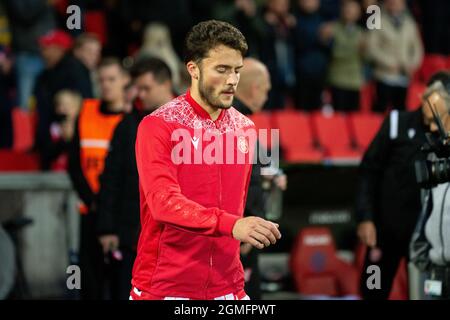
<point x="317" y="52"/>
<point x="126" y="60"/>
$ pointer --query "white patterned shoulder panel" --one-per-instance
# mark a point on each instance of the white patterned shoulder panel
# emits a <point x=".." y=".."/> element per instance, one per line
<point x="181" y="112"/>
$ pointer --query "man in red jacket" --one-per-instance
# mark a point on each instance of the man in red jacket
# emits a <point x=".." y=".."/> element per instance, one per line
<point x="194" y="157"/>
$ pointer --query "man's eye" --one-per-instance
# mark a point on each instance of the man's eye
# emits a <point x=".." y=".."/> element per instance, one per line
<point x="221" y="70"/>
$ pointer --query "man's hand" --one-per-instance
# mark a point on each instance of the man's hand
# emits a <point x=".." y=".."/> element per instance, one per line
<point x="109" y="242"/>
<point x="367" y="233"/>
<point x="281" y="182"/>
<point x="256" y="231"/>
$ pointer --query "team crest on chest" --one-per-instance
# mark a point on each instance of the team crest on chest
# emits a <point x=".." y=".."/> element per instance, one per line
<point x="243" y="144"/>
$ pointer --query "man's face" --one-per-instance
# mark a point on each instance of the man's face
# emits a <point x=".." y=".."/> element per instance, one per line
<point x="89" y="53"/>
<point x="439" y="104"/>
<point x="395" y="7"/>
<point x="52" y="54"/>
<point x="112" y="82"/>
<point x="151" y="92"/>
<point x="219" y="76"/>
<point x="309" y="6"/>
<point x="280" y="7"/>
<point x="351" y="11"/>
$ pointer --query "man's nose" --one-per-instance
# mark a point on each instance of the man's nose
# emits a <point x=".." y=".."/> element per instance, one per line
<point x="233" y="79"/>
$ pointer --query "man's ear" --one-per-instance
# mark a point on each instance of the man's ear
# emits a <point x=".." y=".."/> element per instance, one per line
<point x="193" y="69"/>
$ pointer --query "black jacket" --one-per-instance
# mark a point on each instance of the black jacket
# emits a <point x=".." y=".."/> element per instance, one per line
<point x="255" y="200"/>
<point x="387" y="191"/>
<point x="118" y="199"/>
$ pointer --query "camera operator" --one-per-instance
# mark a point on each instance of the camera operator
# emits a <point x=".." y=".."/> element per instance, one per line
<point x="388" y="197"/>
<point x="430" y="246"/>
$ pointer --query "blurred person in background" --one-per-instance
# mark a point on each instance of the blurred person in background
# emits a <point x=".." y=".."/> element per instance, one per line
<point x="54" y="47"/>
<point x="311" y="56"/>
<point x="65" y="69"/>
<point x="251" y="95"/>
<point x="246" y="16"/>
<point x="29" y="20"/>
<point x="158" y="43"/>
<point x="137" y="14"/>
<point x="396" y="52"/>
<point x="345" y="70"/>
<point x="388" y="200"/>
<point x="86" y="55"/>
<point x="67" y="106"/>
<point x="118" y="199"/>
<point x="277" y="51"/>
<point x="430" y="245"/>
<point x="96" y="123"/>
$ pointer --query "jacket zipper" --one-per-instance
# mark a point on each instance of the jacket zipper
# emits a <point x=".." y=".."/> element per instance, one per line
<point x="441" y="225"/>
<point x="209" y="270"/>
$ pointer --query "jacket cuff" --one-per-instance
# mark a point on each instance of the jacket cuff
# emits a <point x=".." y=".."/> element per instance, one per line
<point x="226" y="224"/>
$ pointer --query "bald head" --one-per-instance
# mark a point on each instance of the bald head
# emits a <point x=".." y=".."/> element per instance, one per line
<point x="254" y="84"/>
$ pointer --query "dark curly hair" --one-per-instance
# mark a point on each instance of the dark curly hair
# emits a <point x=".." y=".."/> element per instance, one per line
<point x="207" y="35"/>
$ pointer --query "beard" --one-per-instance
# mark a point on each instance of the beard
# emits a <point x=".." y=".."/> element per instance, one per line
<point x="208" y="95"/>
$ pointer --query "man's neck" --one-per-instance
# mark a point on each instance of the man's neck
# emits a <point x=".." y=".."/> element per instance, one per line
<point x="213" y="112"/>
<point x="115" y="106"/>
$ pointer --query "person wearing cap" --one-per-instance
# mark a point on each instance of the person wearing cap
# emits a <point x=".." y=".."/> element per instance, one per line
<point x="388" y="199"/>
<point x="62" y="72"/>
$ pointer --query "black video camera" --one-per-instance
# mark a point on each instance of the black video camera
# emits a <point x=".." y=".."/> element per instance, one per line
<point x="430" y="173"/>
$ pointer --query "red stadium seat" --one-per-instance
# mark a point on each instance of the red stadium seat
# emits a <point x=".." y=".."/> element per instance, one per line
<point x="431" y="64"/>
<point x="317" y="270"/>
<point x="263" y="121"/>
<point x="296" y="136"/>
<point x="399" y="289"/>
<point x="333" y="134"/>
<point x="95" y="22"/>
<point x="367" y="97"/>
<point x="13" y="161"/>
<point x="23" y="129"/>
<point x="414" y="95"/>
<point x="364" y="127"/>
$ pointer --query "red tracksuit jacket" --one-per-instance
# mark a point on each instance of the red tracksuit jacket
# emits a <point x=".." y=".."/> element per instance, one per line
<point x="188" y="210"/>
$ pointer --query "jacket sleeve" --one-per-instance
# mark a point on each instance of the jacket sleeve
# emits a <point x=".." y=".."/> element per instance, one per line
<point x="370" y="173"/>
<point x="111" y="180"/>
<point x="79" y="182"/>
<point x="158" y="181"/>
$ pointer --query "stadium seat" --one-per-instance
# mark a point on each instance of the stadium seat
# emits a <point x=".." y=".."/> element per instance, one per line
<point x="414" y="95"/>
<point x="13" y="161"/>
<point x="334" y="136"/>
<point x="317" y="270"/>
<point x="399" y="289"/>
<point x="364" y="127"/>
<point x="431" y="64"/>
<point x="95" y="22"/>
<point x="23" y="129"/>
<point x="296" y="136"/>
<point x="263" y="121"/>
<point x="367" y="97"/>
